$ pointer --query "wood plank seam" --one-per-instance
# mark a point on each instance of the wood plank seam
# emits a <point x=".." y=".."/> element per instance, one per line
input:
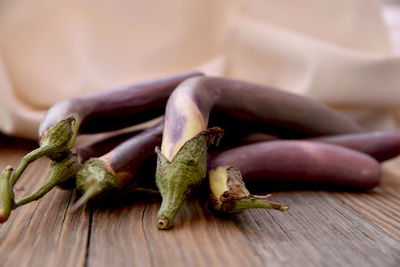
<point x="89" y="235"/>
<point x="146" y="238"/>
<point x="64" y="216"/>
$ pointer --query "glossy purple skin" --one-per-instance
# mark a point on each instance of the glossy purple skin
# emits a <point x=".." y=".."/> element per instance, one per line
<point x="117" y="108"/>
<point x="130" y="154"/>
<point x="102" y="146"/>
<point x="96" y="149"/>
<point x="301" y="162"/>
<point x="257" y="104"/>
<point x="379" y="145"/>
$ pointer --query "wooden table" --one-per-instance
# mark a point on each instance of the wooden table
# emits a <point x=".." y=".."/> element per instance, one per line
<point x="321" y="229"/>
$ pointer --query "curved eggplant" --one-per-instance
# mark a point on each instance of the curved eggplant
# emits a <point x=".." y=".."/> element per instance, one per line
<point x="186" y="119"/>
<point x="99" y="112"/>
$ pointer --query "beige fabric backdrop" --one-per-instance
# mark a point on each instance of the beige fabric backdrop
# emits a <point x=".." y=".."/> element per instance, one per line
<point x="335" y="51"/>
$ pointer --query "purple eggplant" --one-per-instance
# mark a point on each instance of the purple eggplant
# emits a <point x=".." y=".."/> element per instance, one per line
<point x="186" y="120"/>
<point x="379" y="145"/>
<point x="300" y="162"/>
<point x="100" y="112"/>
<point x="118" y="167"/>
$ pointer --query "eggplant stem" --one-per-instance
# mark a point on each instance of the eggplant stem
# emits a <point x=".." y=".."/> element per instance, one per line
<point x="60" y="171"/>
<point x="170" y="206"/>
<point x="92" y="190"/>
<point x="261" y="202"/>
<point x="228" y="193"/>
<point x="28" y="159"/>
<point x="162" y="223"/>
<point x="54" y="144"/>
<point x="38" y="193"/>
<point x="6" y="194"/>
<point x="75" y="125"/>
<point x="177" y="178"/>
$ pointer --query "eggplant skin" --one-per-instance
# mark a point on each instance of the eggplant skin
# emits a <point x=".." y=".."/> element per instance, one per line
<point x="382" y="146"/>
<point x="116" y="108"/>
<point x="301" y="162"/>
<point x="379" y="145"/>
<point x="189" y="106"/>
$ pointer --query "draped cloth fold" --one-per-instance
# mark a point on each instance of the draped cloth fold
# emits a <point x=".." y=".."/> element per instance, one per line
<point x="338" y="52"/>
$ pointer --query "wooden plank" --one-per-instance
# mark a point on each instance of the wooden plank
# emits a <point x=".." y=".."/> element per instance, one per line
<point x="41" y="233"/>
<point x="381" y="205"/>
<point x="318" y="231"/>
<point x="197" y="239"/>
<point x="116" y="237"/>
<point x="321" y="229"/>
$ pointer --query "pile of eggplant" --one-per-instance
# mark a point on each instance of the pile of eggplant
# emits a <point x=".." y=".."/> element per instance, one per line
<point x="261" y="135"/>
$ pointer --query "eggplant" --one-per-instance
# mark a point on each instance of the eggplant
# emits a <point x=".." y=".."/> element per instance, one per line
<point x="300" y="162"/>
<point x="186" y="120"/>
<point x="99" y="112"/>
<point x="117" y="168"/>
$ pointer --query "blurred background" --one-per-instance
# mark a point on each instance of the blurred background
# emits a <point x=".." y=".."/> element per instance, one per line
<point x="343" y="52"/>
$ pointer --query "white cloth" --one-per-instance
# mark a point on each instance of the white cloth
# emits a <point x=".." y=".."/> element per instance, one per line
<point x="335" y="51"/>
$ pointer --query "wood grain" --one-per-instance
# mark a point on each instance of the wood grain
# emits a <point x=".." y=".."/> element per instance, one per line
<point x="318" y="231"/>
<point x="197" y="239"/>
<point x="382" y="204"/>
<point x="42" y="233"/>
<point x="321" y="229"/>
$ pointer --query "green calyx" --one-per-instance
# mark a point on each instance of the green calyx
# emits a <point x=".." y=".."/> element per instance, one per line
<point x="59" y="137"/>
<point x="55" y="144"/>
<point x="94" y="179"/>
<point x="60" y="172"/>
<point x="176" y="179"/>
<point x="228" y="193"/>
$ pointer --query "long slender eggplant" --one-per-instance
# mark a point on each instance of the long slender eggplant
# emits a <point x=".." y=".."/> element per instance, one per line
<point x="284" y="162"/>
<point x="118" y="167"/>
<point x="300" y="162"/>
<point x="62" y="172"/>
<point x="228" y="193"/>
<point x="186" y="120"/>
<point x="381" y="146"/>
<point x="100" y="112"/>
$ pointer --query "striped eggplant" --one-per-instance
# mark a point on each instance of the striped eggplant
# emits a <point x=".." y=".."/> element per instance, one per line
<point x="118" y="167"/>
<point x="182" y="159"/>
<point x="99" y="112"/>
